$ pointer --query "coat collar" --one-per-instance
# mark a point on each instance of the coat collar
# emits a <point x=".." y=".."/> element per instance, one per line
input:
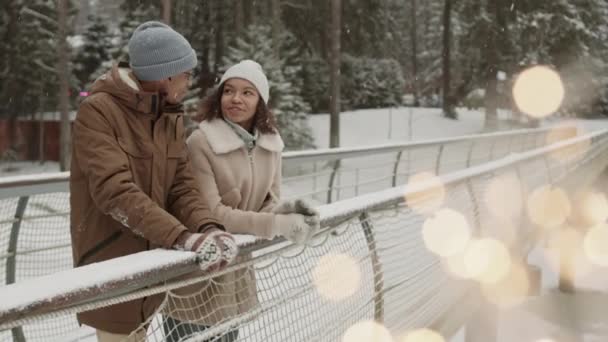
<point x="120" y="83"/>
<point x="223" y="139"/>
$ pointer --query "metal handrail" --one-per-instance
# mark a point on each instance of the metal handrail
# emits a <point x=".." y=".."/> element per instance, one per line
<point x="18" y="186"/>
<point x="329" y="154"/>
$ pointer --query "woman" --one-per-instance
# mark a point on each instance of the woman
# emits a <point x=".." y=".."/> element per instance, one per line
<point x="236" y="155"/>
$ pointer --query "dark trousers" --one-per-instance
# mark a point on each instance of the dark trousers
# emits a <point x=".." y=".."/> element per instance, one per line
<point x="176" y="330"/>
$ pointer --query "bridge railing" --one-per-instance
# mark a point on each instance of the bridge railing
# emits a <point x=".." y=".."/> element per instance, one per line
<point x="372" y="261"/>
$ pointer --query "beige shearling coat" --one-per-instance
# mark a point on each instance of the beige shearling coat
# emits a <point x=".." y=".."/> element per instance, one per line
<point x="240" y="186"/>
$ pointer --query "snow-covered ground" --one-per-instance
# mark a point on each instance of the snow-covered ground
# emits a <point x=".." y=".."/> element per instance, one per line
<point x="376" y="126"/>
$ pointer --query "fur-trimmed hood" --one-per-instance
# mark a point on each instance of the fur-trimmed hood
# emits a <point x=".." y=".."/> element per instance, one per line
<point x="223" y="139"/>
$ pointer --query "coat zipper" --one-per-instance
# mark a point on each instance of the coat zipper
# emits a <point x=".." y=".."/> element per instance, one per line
<point x="250" y="155"/>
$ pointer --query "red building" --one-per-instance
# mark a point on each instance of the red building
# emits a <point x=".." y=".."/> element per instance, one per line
<point x="31" y="138"/>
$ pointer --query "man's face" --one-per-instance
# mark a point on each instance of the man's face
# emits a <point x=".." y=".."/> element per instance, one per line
<point x="177" y="87"/>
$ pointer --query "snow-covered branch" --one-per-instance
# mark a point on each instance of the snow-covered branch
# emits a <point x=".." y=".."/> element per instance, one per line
<point x="41" y="64"/>
<point x="45" y="18"/>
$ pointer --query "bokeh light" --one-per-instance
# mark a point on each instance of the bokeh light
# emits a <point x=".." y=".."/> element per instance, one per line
<point x="505" y="231"/>
<point x="337" y="276"/>
<point x="595" y="244"/>
<point x="538" y="91"/>
<point x="548" y="206"/>
<point x="367" y="331"/>
<point x="565" y="253"/>
<point x="562" y="132"/>
<point x="454" y="264"/>
<point x="503" y="196"/>
<point x="423" y="335"/>
<point x="511" y="290"/>
<point x="590" y="207"/>
<point x="428" y="200"/>
<point x="446" y="233"/>
<point x="487" y="260"/>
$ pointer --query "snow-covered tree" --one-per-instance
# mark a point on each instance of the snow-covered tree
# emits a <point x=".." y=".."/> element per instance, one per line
<point x="570" y="36"/>
<point x="136" y="12"/>
<point x="30" y="57"/>
<point x="95" y="50"/>
<point x="371" y="83"/>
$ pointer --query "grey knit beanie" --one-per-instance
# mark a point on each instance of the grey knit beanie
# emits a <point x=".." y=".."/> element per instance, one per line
<point x="157" y="52"/>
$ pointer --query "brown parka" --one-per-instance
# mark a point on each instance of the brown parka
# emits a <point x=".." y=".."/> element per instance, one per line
<point x="131" y="185"/>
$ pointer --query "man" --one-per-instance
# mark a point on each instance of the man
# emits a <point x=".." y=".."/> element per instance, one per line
<point x="131" y="184"/>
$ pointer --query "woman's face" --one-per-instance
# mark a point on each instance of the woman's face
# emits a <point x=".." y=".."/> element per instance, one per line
<point x="239" y="102"/>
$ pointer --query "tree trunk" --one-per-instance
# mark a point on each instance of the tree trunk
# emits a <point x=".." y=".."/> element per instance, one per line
<point x="448" y="107"/>
<point x="491" y="59"/>
<point x="276" y="27"/>
<point x="206" y="78"/>
<point x="334" y="102"/>
<point x="165" y="6"/>
<point x="62" y="69"/>
<point x="414" y="36"/>
<point x="82" y="18"/>
<point x="219" y="35"/>
<point x="12" y="96"/>
<point x="427" y="26"/>
<point x="249" y="12"/>
<point x="238" y="17"/>
<point x="42" y="145"/>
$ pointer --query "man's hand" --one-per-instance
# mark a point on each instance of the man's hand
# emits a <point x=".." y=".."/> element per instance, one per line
<point x="215" y="248"/>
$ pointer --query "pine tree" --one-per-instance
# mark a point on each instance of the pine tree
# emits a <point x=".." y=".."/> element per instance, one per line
<point x="285" y="99"/>
<point x="95" y="51"/>
<point x="429" y="57"/>
<point x="136" y="12"/>
<point x="571" y="37"/>
<point x="31" y="78"/>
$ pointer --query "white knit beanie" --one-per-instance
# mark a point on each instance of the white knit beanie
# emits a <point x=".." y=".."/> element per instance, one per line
<point x="251" y="71"/>
<point x="157" y="52"/>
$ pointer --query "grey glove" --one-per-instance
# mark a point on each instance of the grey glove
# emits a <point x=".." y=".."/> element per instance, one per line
<point x="298" y="206"/>
<point x="295" y="227"/>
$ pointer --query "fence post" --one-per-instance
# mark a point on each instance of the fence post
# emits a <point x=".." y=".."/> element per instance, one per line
<point x="336" y="166"/>
<point x="314" y="180"/>
<point x="470" y="154"/>
<point x="491" y="155"/>
<point x="357" y="182"/>
<point x="396" y="168"/>
<point x="438" y="162"/>
<point x="338" y="186"/>
<point x="483" y="325"/>
<point x="11" y="261"/>
<point x="368" y="231"/>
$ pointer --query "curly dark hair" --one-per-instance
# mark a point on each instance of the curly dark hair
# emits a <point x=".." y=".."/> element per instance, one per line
<point x="211" y="108"/>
